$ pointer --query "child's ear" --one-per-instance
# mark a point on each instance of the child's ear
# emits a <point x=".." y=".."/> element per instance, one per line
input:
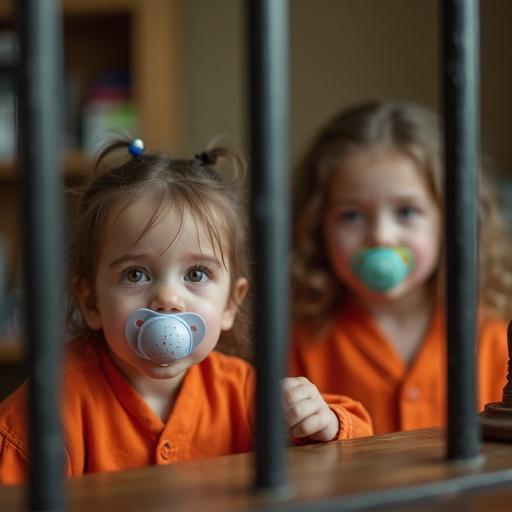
<point x="237" y="297"/>
<point x="87" y="304"/>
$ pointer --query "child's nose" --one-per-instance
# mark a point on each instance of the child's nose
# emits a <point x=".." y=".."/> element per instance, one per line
<point x="167" y="299"/>
<point x="383" y="231"/>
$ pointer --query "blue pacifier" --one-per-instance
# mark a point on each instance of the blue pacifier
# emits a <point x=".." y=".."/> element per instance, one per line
<point x="382" y="268"/>
<point x="163" y="337"/>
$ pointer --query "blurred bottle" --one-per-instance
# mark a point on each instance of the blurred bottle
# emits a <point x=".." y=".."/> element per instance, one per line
<point x="109" y="110"/>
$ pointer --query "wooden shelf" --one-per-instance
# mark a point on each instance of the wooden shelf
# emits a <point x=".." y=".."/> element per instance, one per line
<point x="143" y="37"/>
<point x="78" y="7"/>
<point x="75" y="164"/>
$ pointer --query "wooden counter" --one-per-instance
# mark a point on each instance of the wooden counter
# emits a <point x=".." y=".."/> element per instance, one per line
<point x="386" y="472"/>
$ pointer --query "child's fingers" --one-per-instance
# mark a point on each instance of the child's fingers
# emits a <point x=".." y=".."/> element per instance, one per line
<point x="305" y="411"/>
<point x="314" y="426"/>
<point x="295" y="389"/>
<point x="298" y="411"/>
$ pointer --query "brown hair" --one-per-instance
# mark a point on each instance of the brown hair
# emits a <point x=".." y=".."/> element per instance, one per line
<point x="216" y="201"/>
<point x="414" y="131"/>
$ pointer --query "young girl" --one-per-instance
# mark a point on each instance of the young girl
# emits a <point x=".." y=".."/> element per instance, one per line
<point x="367" y="269"/>
<point x="158" y="272"/>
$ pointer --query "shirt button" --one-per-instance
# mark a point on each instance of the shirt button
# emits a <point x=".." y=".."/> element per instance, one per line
<point x="413" y="393"/>
<point x="165" y="450"/>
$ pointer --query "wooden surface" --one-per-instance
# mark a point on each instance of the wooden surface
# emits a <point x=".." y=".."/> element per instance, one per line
<point x="387" y="471"/>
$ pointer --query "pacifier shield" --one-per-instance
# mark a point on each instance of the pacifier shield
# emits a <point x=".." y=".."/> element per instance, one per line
<point x="164" y="337"/>
<point x="382" y="268"/>
<point x="163" y="340"/>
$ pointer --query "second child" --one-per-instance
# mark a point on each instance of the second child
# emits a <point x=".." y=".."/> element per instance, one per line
<point x="368" y="268"/>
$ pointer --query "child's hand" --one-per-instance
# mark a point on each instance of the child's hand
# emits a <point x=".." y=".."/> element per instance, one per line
<point x="306" y="412"/>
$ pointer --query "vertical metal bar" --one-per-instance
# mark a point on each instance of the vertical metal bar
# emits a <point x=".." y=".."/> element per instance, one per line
<point x="268" y="29"/>
<point x="40" y="133"/>
<point x="461" y="113"/>
<point x="3" y="265"/>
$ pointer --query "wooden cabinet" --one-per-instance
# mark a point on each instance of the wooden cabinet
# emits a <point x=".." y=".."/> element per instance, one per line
<point x="141" y="37"/>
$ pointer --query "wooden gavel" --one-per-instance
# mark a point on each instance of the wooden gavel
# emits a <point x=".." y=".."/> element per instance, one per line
<point x="496" y="419"/>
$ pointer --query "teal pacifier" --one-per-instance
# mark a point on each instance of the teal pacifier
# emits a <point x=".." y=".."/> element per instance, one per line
<point x="382" y="268"/>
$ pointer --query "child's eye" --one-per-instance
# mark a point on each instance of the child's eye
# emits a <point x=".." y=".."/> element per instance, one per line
<point x="407" y="212"/>
<point x="135" y="275"/>
<point x="197" y="275"/>
<point x="350" y="216"/>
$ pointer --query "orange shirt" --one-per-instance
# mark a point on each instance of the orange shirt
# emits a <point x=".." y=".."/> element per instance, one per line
<point x="107" y="426"/>
<point x="356" y="359"/>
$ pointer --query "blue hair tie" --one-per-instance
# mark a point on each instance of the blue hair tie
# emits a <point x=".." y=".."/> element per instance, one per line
<point x="136" y="147"/>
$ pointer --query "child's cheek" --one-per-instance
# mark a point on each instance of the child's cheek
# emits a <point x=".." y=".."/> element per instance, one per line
<point x="426" y="257"/>
<point x="339" y="248"/>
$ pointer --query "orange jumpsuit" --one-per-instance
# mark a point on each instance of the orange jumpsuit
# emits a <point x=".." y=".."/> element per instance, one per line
<point x="357" y="360"/>
<point x="107" y="426"/>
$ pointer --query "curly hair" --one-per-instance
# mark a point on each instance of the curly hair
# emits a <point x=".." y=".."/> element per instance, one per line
<point x="217" y="201"/>
<point x="415" y="131"/>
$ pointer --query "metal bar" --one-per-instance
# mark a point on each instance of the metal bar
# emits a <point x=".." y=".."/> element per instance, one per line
<point x="40" y="122"/>
<point x="3" y="287"/>
<point x="461" y="113"/>
<point x="8" y="72"/>
<point x="268" y="29"/>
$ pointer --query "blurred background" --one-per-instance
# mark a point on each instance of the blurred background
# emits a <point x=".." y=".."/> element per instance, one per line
<point x="174" y="72"/>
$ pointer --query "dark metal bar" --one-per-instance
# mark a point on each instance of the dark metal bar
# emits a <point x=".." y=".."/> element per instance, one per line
<point x="461" y="114"/>
<point x="8" y="72"/>
<point x="40" y="121"/>
<point x="2" y="276"/>
<point x="268" y="29"/>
